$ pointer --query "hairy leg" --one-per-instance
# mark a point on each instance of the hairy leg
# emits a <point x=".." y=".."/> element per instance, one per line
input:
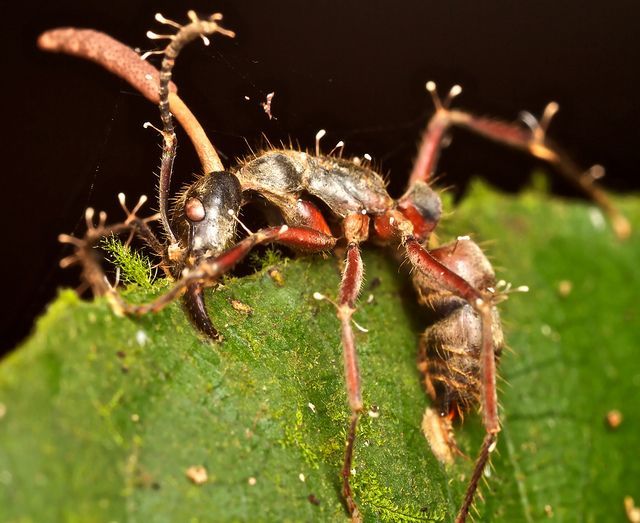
<point x="532" y="140"/>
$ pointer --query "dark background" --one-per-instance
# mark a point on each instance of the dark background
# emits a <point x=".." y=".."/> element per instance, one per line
<point x="73" y="136"/>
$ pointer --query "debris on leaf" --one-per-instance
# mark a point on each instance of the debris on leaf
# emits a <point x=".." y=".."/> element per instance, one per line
<point x="197" y="474"/>
<point x="633" y="512"/>
<point x="313" y="500"/>
<point x="241" y="307"/>
<point x="276" y="276"/>
<point x="564" y="288"/>
<point x="614" y="418"/>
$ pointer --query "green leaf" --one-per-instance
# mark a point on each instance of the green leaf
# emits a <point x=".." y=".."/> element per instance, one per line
<point x="102" y="416"/>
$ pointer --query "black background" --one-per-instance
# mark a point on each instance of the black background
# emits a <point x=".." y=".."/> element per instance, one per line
<point x="73" y="136"/>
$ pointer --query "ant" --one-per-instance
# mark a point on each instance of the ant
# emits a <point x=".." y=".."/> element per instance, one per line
<point x="458" y="353"/>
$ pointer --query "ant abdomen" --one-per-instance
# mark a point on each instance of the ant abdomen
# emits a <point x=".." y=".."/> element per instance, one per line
<point x="449" y="356"/>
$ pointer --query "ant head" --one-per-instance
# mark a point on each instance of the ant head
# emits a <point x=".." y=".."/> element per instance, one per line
<point x="206" y="213"/>
<point x="422" y="206"/>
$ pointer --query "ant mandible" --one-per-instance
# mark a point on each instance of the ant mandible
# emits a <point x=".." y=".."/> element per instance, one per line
<point x="458" y="353"/>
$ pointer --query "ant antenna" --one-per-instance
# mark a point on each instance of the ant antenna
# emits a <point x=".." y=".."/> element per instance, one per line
<point x="319" y="136"/>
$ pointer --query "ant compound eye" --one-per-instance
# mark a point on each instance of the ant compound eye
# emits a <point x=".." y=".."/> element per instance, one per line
<point x="194" y="209"/>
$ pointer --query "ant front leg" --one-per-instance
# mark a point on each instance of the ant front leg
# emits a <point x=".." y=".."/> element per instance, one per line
<point x="209" y="270"/>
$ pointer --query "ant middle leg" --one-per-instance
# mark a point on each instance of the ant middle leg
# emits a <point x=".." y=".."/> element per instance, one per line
<point x="349" y="291"/>
<point x="355" y="228"/>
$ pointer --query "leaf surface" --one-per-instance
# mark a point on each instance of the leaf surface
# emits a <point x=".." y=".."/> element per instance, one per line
<point x="101" y="416"/>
